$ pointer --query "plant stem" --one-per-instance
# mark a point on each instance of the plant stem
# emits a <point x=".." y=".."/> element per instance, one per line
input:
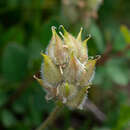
<point x="51" y="117"/>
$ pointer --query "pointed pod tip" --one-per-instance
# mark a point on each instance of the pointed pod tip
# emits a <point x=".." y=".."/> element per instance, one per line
<point x="42" y="54"/>
<point x="55" y="36"/>
<point x="34" y="76"/>
<point x="61" y="26"/>
<point x="80" y="34"/>
<point x="38" y="80"/>
<point x="98" y="57"/>
<point x="89" y="36"/>
<point x="53" y="28"/>
<point x="85" y="41"/>
<point x="81" y="29"/>
<point x="92" y="62"/>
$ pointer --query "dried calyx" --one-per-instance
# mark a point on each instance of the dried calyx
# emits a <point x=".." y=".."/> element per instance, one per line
<point x="66" y="70"/>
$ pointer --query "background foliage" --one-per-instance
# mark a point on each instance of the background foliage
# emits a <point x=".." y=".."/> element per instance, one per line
<point x="25" y="30"/>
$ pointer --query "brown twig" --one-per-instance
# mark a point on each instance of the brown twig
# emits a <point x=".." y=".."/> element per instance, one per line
<point x="95" y="110"/>
<point x="53" y="115"/>
<point x="107" y="54"/>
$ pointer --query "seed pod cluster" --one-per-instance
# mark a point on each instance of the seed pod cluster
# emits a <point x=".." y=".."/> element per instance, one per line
<point x="66" y="71"/>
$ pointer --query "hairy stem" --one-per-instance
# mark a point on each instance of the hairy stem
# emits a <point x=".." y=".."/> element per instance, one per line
<point x="53" y="115"/>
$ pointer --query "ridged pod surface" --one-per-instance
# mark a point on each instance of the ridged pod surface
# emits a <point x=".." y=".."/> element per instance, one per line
<point x="66" y="71"/>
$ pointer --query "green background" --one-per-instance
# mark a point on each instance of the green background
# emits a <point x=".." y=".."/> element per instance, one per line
<point x="25" y="30"/>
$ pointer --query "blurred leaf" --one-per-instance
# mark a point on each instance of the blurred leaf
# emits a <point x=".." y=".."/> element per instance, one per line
<point x="126" y="33"/>
<point x="123" y="119"/>
<point x="49" y="4"/>
<point x="14" y="34"/>
<point x="103" y="128"/>
<point x="97" y="36"/>
<point x="34" y="49"/>
<point x="127" y="54"/>
<point x="116" y="72"/>
<point x="99" y="75"/>
<point x="119" y="42"/>
<point x="3" y="97"/>
<point x="111" y="28"/>
<point x="18" y="107"/>
<point x="38" y="95"/>
<point x="21" y="126"/>
<point x="71" y="128"/>
<point x="35" y="105"/>
<point x="12" y="3"/>
<point x="34" y="114"/>
<point x="14" y="62"/>
<point x="1" y="29"/>
<point x="8" y="118"/>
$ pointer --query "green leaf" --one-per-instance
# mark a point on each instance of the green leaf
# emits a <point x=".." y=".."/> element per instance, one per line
<point x="14" y="62"/>
<point x="3" y="97"/>
<point x="18" y="107"/>
<point x="34" y="49"/>
<point x="102" y="128"/>
<point x="123" y="122"/>
<point x="14" y="34"/>
<point x="127" y="54"/>
<point x="119" y="42"/>
<point x="97" y="36"/>
<point x="126" y="33"/>
<point x="116" y="72"/>
<point x="8" y="118"/>
<point x="99" y="75"/>
<point x="12" y="3"/>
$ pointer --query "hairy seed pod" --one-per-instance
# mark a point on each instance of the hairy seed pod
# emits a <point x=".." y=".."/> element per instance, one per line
<point x="66" y="71"/>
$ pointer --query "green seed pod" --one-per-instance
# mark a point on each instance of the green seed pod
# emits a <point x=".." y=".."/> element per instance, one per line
<point x="66" y="71"/>
<point x="50" y="72"/>
<point x="57" y="50"/>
